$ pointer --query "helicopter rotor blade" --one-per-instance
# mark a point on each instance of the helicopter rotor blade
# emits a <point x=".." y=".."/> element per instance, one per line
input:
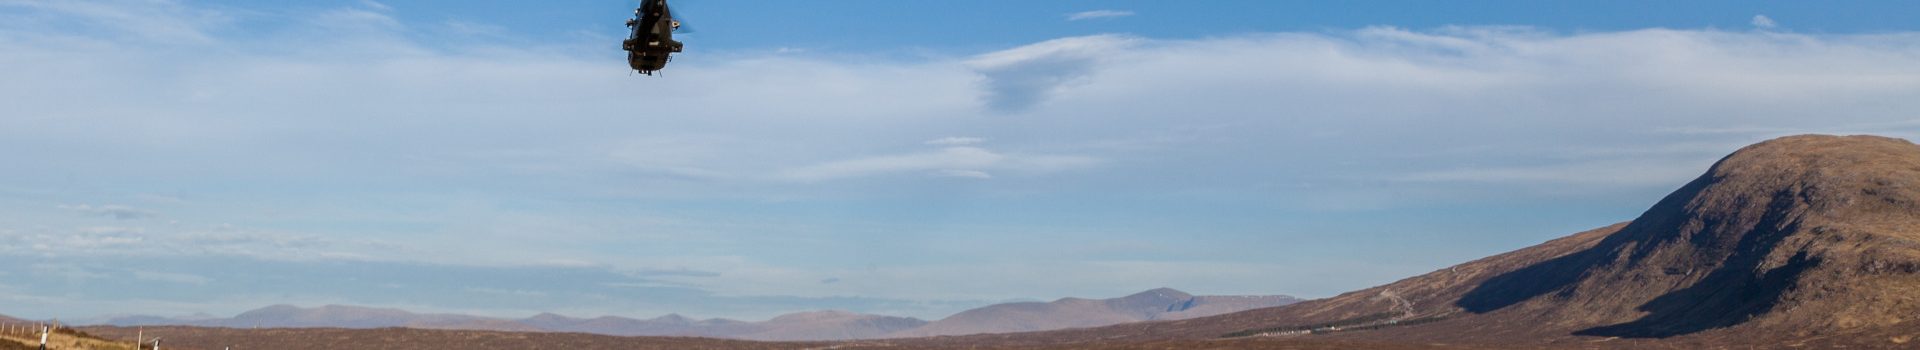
<point x="667" y="13"/>
<point x="681" y="25"/>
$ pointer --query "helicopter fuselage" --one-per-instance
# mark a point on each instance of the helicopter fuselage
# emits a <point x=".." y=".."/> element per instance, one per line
<point x="652" y="44"/>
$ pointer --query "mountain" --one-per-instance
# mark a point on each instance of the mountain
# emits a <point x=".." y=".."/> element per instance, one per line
<point x="1799" y="241"/>
<point x="1157" y="304"/>
<point x="289" y="316"/>
<point x="669" y="325"/>
<point x="12" y="320"/>
<point x="817" y="325"/>
<point x="1209" y="305"/>
<point x="830" y="325"/>
<point x="333" y="316"/>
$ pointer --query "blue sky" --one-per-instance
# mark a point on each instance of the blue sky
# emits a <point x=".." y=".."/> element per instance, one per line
<point x="910" y="158"/>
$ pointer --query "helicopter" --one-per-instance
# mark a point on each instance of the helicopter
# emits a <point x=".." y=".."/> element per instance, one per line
<point x="652" y="44"/>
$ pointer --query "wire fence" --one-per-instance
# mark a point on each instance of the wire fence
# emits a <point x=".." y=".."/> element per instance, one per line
<point x="1368" y="322"/>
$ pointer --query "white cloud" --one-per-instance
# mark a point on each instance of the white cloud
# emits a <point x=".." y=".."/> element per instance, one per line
<point x="376" y="5"/>
<point x="966" y="158"/>
<point x="1764" y="22"/>
<point x="971" y="174"/>
<point x="955" y="141"/>
<point x="156" y="22"/>
<point x="358" y="21"/>
<point x="1631" y="172"/>
<point x="115" y="211"/>
<point x="1021" y="78"/>
<point x="1097" y="14"/>
<point x="71" y="272"/>
<point x="518" y="293"/>
<point x="89" y="239"/>
<point x="1055" y="279"/>
<point x="170" y="277"/>
<point x="191" y="241"/>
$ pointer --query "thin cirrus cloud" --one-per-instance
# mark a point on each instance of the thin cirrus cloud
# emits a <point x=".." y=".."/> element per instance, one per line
<point x="955" y="141"/>
<point x="949" y="161"/>
<point x="154" y="20"/>
<point x="1098" y="14"/>
<point x="1637" y="172"/>
<point x="115" y="211"/>
<point x="971" y="174"/>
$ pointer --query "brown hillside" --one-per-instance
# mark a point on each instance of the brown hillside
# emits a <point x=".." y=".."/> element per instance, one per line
<point x="1797" y="240"/>
<point x="1795" y="237"/>
<point x="204" y="338"/>
<point x="1430" y="295"/>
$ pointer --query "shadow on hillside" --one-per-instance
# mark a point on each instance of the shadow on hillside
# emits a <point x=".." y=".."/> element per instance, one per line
<point x="1730" y="294"/>
<point x="1558" y="274"/>
<point x="1725" y="298"/>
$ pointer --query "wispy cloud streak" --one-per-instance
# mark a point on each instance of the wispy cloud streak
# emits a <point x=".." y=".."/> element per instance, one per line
<point x="1097" y="14"/>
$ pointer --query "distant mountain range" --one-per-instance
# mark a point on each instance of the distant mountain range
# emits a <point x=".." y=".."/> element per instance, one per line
<point x="1157" y="304"/>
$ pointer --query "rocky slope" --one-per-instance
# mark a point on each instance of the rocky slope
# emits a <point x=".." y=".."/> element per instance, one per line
<point x="1797" y="236"/>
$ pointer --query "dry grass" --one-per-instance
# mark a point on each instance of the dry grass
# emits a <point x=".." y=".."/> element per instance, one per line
<point x="65" y="339"/>
<point x="203" y="338"/>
